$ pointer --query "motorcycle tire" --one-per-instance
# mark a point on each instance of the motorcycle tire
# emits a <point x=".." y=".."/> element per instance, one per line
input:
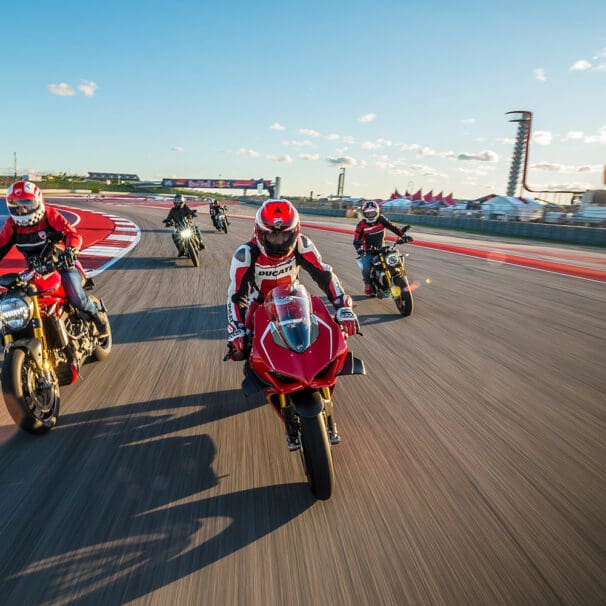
<point x="317" y="456"/>
<point x="35" y="409"/>
<point x="102" y="351"/>
<point x="224" y="226"/>
<point x="193" y="253"/>
<point x="405" y="302"/>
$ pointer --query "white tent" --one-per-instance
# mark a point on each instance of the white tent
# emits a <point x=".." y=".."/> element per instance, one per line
<point x="396" y="204"/>
<point x="508" y="208"/>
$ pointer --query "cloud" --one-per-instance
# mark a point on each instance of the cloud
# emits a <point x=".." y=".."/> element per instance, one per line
<point x="376" y="144"/>
<point x="407" y="146"/>
<point x="565" y="168"/>
<point x="539" y="74"/>
<point x="542" y="137"/>
<point x="284" y="159"/>
<point x="468" y="121"/>
<point x="599" y="138"/>
<point x="573" y="135"/>
<point x="344" y="161"/>
<point x="483" y="156"/>
<point x="243" y="151"/>
<point x="580" y="66"/>
<point x="474" y="172"/>
<point x="348" y="140"/>
<point x="277" y="126"/>
<point x="426" y="171"/>
<point x="333" y="137"/>
<point x="309" y="132"/>
<point x="177" y="148"/>
<point x="87" y="87"/>
<point x="506" y="140"/>
<point x="309" y="156"/>
<point x="297" y="143"/>
<point x="425" y="152"/>
<point x="62" y="90"/>
<point x="367" y="118"/>
<point x="600" y="68"/>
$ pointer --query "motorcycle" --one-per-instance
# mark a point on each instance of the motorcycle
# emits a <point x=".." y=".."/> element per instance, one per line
<point x="220" y="220"/>
<point x="46" y="341"/>
<point x="187" y="239"/>
<point x="388" y="276"/>
<point x="297" y="353"/>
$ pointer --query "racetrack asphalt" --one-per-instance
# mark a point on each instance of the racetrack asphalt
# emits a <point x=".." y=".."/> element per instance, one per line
<point x="471" y="471"/>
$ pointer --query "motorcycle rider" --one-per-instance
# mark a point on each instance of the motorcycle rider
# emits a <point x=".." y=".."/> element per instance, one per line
<point x="214" y="208"/>
<point x="369" y="234"/>
<point x="179" y="211"/>
<point x="271" y="258"/>
<point x="31" y="226"/>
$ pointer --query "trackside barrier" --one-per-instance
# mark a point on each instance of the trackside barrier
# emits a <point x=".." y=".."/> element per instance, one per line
<point x="594" y="236"/>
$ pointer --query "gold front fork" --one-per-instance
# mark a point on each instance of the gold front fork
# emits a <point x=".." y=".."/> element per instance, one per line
<point x="39" y="332"/>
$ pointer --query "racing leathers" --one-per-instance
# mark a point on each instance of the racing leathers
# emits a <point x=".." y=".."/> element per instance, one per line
<point x="42" y="241"/>
<point x="253" y="275"/>
<point x="178" y="213"/>
<point x="372" y="235"/>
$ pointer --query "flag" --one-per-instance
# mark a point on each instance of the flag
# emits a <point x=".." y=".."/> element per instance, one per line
<point x="428" y="197"/>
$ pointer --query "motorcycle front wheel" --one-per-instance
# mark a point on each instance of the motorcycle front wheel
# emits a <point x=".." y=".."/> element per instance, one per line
<point x="31" y="402"/>
<point x="405" y="301"/>
<point x="103" y="349"/>
<point x="193" y="252"/>
<point x="317" y="456"/>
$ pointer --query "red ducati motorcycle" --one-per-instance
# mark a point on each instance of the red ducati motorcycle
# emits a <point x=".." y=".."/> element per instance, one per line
<point x="46" y="341"/>
<point x="298" y="352"/>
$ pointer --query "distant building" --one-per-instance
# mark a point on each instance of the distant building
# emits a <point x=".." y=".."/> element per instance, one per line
<point x="112" y="177"/>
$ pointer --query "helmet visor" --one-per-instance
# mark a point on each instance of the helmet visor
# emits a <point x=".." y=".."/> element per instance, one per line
<point x="22" y="207"/>
<point x="371" y="213"/>
<point x="280" y="242"/>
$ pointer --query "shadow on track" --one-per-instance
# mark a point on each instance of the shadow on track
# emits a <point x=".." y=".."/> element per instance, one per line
<point x="181" y="323"/>
<point x="115" y="511"/>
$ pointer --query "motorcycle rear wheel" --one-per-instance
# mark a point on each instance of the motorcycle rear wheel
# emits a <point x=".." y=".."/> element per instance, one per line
<point x="317" y="456"/>
<point x="193" y="253"/>
<point x="405" y="302"/>
<point x="33" y="407"/>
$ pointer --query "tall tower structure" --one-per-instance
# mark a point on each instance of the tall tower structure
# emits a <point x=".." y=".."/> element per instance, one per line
<point x="519" y="160"/>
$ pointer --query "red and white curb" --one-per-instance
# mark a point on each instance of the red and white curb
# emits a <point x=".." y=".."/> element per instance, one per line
<point x="113" y="247"/>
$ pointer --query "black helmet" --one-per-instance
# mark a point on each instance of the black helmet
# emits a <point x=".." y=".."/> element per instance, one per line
<point x="178" y="200"/>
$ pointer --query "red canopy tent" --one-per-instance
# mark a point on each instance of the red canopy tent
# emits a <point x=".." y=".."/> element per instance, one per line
<point x="417" y="196"/>
<point x="428" y="197"/>
<point x="448" y="199"/>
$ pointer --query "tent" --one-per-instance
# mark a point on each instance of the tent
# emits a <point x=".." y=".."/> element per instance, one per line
<point x="508" y="208"/>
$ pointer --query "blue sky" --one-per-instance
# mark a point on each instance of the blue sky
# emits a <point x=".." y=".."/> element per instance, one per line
<point x="394" y="91"/>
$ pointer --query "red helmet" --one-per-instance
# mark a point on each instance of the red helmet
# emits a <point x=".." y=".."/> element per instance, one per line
<point x="277" y="228"/>
<point x="25" y="203"/>
<point x="371" y="211"/>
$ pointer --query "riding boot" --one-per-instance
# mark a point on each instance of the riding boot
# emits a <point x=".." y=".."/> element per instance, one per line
<point x="100" y="324"/>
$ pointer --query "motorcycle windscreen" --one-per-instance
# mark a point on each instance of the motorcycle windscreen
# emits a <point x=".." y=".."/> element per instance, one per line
<point x="289" y="309"/>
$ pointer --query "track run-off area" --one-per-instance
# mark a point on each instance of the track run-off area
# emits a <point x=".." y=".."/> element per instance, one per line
<point x="471" y="469"/>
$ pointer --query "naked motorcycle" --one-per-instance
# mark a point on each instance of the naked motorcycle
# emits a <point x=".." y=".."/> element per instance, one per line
<point x="186" y="239"/>
<point x="220" y="220"/>
<point x="297" y="353"/>
<point x="46" y="341"/>
<point x="388" y="276"/>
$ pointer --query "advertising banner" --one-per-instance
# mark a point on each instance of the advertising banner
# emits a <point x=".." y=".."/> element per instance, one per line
<point x="218" y="183"/>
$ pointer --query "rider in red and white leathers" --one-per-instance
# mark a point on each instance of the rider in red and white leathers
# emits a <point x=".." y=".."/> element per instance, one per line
<point x="272" y="258"/>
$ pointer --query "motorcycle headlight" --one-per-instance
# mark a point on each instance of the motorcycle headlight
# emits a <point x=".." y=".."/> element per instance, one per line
<point x="15" y="312"/>
<point x="392" y="259"/>
<point x="186" y="233"/>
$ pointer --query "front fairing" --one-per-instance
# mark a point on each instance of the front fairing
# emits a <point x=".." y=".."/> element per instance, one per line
<point x="309" y="358"/>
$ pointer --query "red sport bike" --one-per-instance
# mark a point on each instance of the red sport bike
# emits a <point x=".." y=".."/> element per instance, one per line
<point x="46" y="341"/>
<point x="298" y="351"/>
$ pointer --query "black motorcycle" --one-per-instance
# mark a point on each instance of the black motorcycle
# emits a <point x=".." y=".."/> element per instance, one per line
<point x="186" y="238"/>
<point x="388" y="276"/>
